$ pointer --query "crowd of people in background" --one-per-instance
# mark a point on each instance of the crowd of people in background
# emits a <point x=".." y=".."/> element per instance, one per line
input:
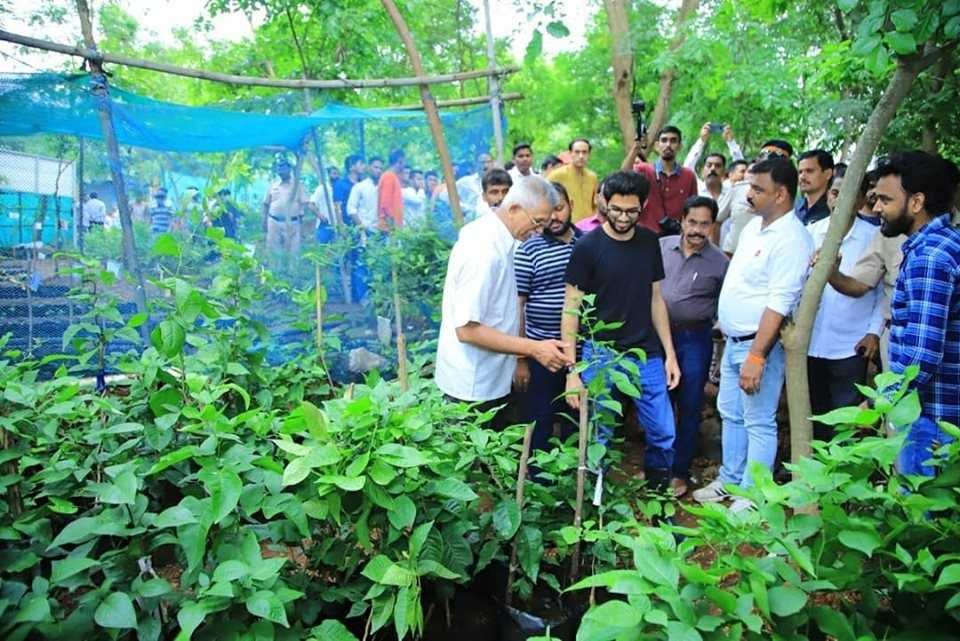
<point x="565" y="279"/>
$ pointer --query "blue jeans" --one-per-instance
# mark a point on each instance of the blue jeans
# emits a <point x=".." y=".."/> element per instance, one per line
<point x="749" y="420"/>
<point x="654" y="411"/>
<point x="544" y="404"/>
<point x="694" y="349"/>
<point x="924" y="437"/>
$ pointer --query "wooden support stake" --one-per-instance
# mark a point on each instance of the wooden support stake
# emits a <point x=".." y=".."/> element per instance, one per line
<point x="581" y="483"/>
<point x="521" y="483"/>
<point x="430" y="107"/>
<point x="319" y="301"/>
<point x="464" y="102"/>
<point x="102" y="95"/>
<point x="401" y="339"/>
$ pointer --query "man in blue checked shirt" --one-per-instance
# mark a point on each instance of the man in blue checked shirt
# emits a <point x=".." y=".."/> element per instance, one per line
<point x="915" y="192"/>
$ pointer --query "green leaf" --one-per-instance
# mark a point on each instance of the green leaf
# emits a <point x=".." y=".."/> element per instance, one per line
<point x="608" y="621"/>
<point x="224" y="487"/>
<point x="166" y="245"/>
<point x="66" y="568"/>
<point x="168" y="338"/>
<point x="61" y="506"/>
<point x="902" y="43"/>
<point x="453" y="488"/>
<point x="534" y="48"/>
<point x="786" y="600"/>
<point x="834" y="623"/>
<point x="952" y="28"/>
<point x="758" y="587"/>
<point x="174" y="517"/>
<point x="724" y="600"/>
<point x="154" y="588"/>
<point x="297" y="470"/>
<point x="863" y="540"/>
<point x="949" y="575"/>
<point x="906" y="411"/>
<point x="418" y="538"/>
<point x="123" y="490"/>
<point x="346" y="483"/>
<point x="190" y="616"/>
<point x="332" y="630"/>
<point x="34" y="608"/>
<point x="506" y="518"/>
<point x="848" y="416"/>
<point x="177" y="456"/>
<point x="680" y="631"/>
<point x="404" y="512"/>
<point x="904" y="19"/>
<point x="847" y="6"/>
<point x="557" y="29"/>
<point x="116" y="611"/>
<point x="402" y="455"/>
<point x="266" y="605"/>
<point x="231" y="570"/>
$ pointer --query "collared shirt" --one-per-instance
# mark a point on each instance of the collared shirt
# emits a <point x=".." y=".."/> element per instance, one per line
<point x="925" y="318"/>
<point x="469" y="190"/>
<point x="767" y="271"/>
<point x="667" y="193"/>
<point x="285" y="199"/>
<point x="319" y="198"/>
<point x="703" y="191"/>
<point x="362" y="204"/>
<point x="733" y="205"/>
<point x="581" y="187"/>
<point x="881" y="261"/>
<point x="541" y="263"/>
<point x="414" y="201"/>
<point x="691" y="284"/>
<point x="94" y="211"/>
<point x="515" y="174"/>
<point x="843" y="320"/>
<point x="480" y="286"/>
<point x="809" y="214"/>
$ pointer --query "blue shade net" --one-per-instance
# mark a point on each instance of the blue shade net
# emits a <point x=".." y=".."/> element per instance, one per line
<point x="174" y="146"/>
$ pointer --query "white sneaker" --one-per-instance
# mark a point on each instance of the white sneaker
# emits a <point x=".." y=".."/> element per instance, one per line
<point x="741" y="504"/>
<point x="713" y="493"/>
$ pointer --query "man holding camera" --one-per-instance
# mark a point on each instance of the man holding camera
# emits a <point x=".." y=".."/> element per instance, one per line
<point x="670" y="185"/>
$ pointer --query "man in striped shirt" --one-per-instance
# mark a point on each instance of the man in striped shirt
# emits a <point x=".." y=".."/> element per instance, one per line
<point x="540" y="266"/>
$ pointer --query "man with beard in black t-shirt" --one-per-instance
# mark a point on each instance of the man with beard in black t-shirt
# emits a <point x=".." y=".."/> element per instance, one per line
<point x="621" y="266"/>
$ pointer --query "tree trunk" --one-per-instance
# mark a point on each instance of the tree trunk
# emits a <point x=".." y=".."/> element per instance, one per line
<point x="131" y="261"/>
<point x="659" y="117"/>
<point x="796" y="334"/>
<point x="928" y="134"/>
<point x="621" y="47"/>
<point x="430" y="107"/>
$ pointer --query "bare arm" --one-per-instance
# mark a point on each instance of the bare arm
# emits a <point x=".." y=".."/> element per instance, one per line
<point x="549" y="352"/>
<point x="848" y="285"/>
<point x="569" y="329"/>
<point x="767" y="333"/>
<point x="661" y="323"/>
<point x="635" y="152"/>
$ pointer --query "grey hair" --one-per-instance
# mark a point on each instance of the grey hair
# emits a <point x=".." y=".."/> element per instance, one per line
<point x="529" y="192"/>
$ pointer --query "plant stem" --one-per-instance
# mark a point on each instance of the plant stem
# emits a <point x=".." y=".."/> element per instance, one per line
<point x="581" y="482"/>
<point x="521" y="477"/>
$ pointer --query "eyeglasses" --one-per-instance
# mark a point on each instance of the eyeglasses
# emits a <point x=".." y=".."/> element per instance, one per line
<point x="537" y="224"/>
<point x="614" y="211"/>
<point x="771" y="153"/>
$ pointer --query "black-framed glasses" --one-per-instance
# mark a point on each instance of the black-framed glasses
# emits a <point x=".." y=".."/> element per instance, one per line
<point x="613" y="210"/>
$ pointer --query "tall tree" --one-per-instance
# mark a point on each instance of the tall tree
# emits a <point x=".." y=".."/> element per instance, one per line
<point x="687" y="10"/>
<point x="618" y="20"/>
<point x="914" y="39"/>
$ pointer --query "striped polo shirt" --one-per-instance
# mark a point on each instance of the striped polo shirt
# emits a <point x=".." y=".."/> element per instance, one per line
<point x="541" y="263"/>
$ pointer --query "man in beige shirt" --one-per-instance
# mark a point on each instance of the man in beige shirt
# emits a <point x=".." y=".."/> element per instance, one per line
<point x="881" y="261"/>
<point x="284" y="207"/>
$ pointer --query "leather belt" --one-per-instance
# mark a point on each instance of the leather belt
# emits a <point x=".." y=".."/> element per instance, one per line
<point x="740" y="339"/>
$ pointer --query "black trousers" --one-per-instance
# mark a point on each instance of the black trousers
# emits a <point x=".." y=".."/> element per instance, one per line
<point x="833" y="384"/>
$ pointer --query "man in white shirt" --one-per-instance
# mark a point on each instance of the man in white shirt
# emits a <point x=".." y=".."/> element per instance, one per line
<point x="522" y="161"/>
<point x="362" y="203"/>
<point x="469" y="188"/>
<point x="94" y="211"/>
<point x="710" y="181"/>
<point x="762" y="285"/>
<point x="846" y="332"/>
<point x="479" y="327"/>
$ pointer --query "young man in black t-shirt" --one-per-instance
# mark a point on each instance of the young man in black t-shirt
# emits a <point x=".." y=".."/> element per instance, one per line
<point x="620" y="264"/>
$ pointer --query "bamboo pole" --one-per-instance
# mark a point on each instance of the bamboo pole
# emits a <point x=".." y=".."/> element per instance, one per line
<point x="319" y="304"/>
<point x="494" y="83"/>
<point x="90" y="53"/>
<point x="430" y="107"/>
<point x="581" y="483"/>
<point x="521" y="478"/>
<point x="401" y="339"/>
<point x="102" y="95"/>
<point x="463" y="102"/>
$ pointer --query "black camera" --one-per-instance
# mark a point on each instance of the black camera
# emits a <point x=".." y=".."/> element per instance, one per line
<point x="638" y="107"/>
<point x="669" y="226"/>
